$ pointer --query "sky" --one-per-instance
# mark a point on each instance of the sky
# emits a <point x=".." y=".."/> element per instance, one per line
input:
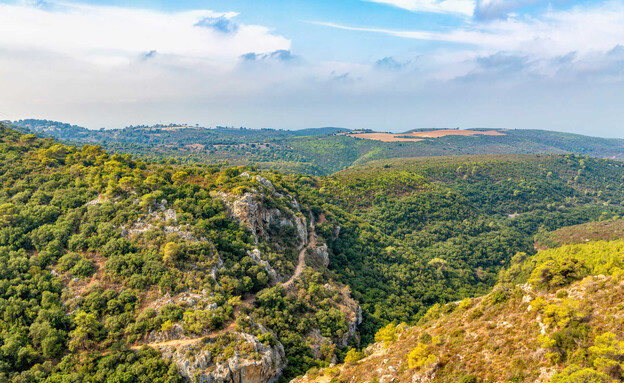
<point x="387" y="65"/>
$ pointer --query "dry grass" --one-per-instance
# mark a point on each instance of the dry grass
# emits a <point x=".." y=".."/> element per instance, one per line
<point x="448" y="132"/>
<point x="494" y="342"/>
<point x="420" y="136"/>
<point x="587" y="232"/>
<point x="385" y="137"/>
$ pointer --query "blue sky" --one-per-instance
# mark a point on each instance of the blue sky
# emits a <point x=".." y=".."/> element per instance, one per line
<point x="389" y="65"/>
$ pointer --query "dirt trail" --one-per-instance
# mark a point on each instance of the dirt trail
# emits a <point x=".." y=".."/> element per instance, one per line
<point x="170" y="343"/>
<point x="183" y="342"/>
<point x="301" y="263"/>
<point x="248" y="301"/>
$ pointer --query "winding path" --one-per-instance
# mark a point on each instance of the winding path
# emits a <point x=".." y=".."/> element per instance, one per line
<point x="185" y="341"/>
<point x="302" y="252"/>
<point x="301" y="262"/>
<point x="171" y="343"/>
<point x="298" y="271"/>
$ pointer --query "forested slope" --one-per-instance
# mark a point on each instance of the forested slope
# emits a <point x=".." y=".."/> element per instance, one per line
<point x="101" y="254"/>
<point x="419" y="232"/>
<point x="560" y="322"/>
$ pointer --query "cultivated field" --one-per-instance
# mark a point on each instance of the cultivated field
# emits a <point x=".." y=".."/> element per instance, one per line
<point x="419" y="136"/>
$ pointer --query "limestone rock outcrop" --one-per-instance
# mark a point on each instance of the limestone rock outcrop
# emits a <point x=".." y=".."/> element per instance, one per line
<point x="252" y="361"/>
<point x="249" y="210"/>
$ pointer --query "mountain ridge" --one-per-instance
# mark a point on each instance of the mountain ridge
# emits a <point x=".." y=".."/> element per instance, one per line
<point x="319" y="151"/>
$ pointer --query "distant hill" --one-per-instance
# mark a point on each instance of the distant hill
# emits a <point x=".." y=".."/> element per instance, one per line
<point x="56" y="129"/>
<point x="319" y="151"/>
<point x="437" y="228"/>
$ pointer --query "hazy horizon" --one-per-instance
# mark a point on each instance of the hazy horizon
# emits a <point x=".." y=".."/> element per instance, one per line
<point x="318" y="127"/>
<point x="386" y="65"/>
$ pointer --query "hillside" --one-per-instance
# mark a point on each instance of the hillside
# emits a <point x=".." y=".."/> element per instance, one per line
<point x="102" y="254"/>
<point x="563" y="326"/>
<point x="591" y="231"/>
<point x="113" y="267"/>
<point x="318" y="151"/>
<point x="423" y="232"/>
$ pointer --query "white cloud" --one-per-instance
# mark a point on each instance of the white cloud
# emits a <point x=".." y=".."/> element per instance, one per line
<point x="463" y="7"/>
<point x="494" y="9"/>
<point x="108" y="66"/>
<point x="116" y="35"/>
<point x="420" y="35"/>
<point x="581" y="29"/>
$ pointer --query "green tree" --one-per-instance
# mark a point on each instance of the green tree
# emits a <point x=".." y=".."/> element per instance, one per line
<point x="86" y="333"/>
<point x="170" y="253"/>
<point x="576" y="374"/>
<point x="609" y="353"/>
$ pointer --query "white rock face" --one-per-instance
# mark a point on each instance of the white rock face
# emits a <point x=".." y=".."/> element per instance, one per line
<point x="255" y="255"/>
<point x="263" y="364"/>
<point x="215" y="270"/>
<point x="321" y="253"/>
<point x="264" y="182"/>
<point x="426" y="375"/>
<point x="546" y="373"/>
<point x="176" y="332"/>
<point x="246" y="209"/>
<point x="156" y="215"/>
<point x="336" y="233"/>
<point x="354" y="319"/>
<point x="353" y="315"/>
<point x="316" y="341"/>
<point x="302" y="231"/>
<point x="100" y="199"/>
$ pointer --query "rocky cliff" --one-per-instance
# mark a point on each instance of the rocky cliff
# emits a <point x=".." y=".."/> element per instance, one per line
<point x="232" y="358"/>
<point x="250" y="210"/>
<point x="251" y="354"/>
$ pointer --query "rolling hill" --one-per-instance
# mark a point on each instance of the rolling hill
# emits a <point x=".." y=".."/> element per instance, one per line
<point x="318" y="151"/>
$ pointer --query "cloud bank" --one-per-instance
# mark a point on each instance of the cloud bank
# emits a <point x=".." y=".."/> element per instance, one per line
<point x="497" y="9"/>
<point x="462" y="7"/>
<point x="113" y="66"/>
<point x="116" y="35"/>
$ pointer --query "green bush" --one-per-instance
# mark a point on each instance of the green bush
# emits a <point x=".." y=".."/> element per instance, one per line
<point x="353" y="356"/>
<point x="576" y="374"/>
<point x="68" y="261"/>
<point x="83" y="268"/>
<point x="468" y="378"/>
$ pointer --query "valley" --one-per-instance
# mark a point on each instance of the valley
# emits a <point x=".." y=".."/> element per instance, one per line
<point x="114" y="265"/>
